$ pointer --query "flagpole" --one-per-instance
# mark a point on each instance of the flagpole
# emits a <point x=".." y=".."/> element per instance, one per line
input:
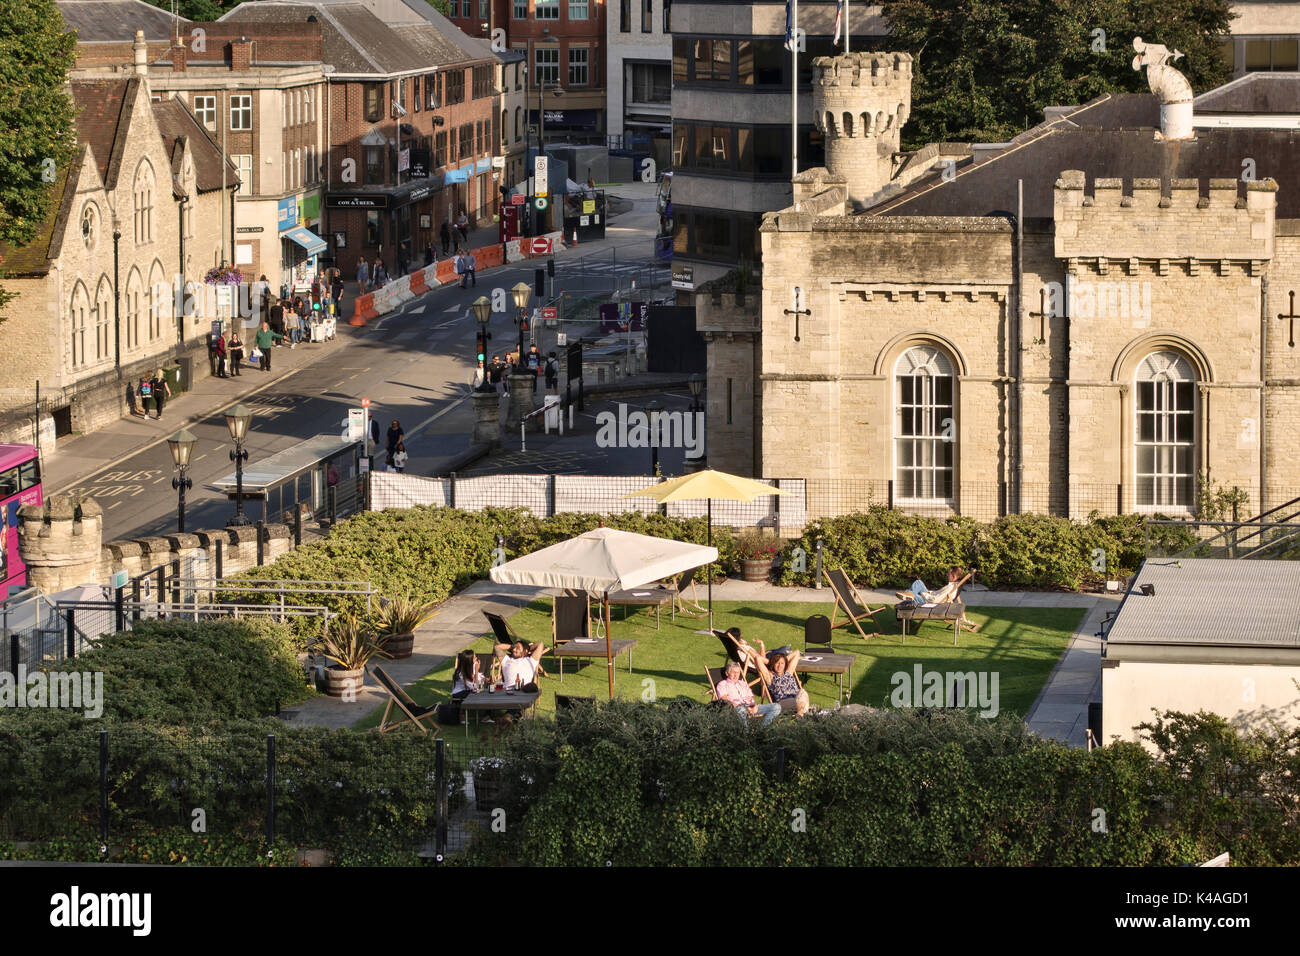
<point x="794" y="89"/>
<point x="846" y="26"/>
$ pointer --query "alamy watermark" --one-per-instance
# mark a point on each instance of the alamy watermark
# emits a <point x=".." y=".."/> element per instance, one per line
<point x="923" y="688"/>
<point x="656" y="429"/>
<point x="1122" y="299"/>
<point x="62" y="690"/>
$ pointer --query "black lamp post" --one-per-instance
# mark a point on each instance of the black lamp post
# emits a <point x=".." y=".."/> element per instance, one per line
<point x="237" y="420"/>
<point x="521" y="292"/>
<point x="696" y="385"/>
<point x="483" y="315"/>
<point x="652" y="409"/>
<point x="182" y="446"/>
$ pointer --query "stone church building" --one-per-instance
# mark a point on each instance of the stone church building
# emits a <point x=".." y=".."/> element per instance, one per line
<point x="1095" y="315"/>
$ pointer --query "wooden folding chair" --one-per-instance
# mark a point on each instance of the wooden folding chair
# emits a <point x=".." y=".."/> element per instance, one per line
<point x="692" y="607"/>
<point x="848" y="601"/>
<point x="413" y="711"/>
<point x="733" y="652"/>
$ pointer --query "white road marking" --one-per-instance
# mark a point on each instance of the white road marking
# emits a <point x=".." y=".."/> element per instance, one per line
<point x="418" y="310"/>
<point x="453" y="308"/>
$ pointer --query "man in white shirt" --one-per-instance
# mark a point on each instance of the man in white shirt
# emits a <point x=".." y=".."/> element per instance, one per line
<point x="519" y="663"/>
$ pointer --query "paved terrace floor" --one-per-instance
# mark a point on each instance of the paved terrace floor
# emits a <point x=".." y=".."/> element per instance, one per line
<point x="1061" y="711"/>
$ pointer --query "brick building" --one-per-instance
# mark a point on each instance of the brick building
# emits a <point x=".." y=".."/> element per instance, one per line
<point x="1096" y="315"/>
<point x="136" y="222"/>
<point x="258" y="89"/>
<point x="564" y="41"/>
<point x="398" y="86"/>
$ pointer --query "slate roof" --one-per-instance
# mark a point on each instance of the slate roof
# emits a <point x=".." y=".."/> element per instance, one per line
<point x="175" y="121"/>
<point x="1099" y="140"/>
<point x="103" y="21"/>
<point x="357" y="41"/>
<point x="102" y="120"/>
<point x="1253" y="93"/>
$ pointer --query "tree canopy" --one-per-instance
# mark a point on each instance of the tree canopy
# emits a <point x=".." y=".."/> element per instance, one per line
<point x="985" y="69"/>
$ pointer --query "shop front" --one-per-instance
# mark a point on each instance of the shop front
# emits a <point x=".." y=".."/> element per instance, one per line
<point x="300" y="247"/>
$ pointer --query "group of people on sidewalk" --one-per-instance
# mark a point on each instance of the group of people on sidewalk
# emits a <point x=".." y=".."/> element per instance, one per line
<point x="396" y="444"/>
<point x="487" y="377"/>
<point x="372" y="276"/>
<point x="283" y="320"/>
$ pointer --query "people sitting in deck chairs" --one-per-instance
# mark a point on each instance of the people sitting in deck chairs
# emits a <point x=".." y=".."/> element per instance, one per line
<point x="778" y="672"/>
<point x="520" y="662"/>
<point x="736" y="692"/>
<point x="919" y="594"/>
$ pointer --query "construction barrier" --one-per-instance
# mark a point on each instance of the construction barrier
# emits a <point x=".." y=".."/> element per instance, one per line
<point x="363" y="309"/>
<point x="418" y="285"/>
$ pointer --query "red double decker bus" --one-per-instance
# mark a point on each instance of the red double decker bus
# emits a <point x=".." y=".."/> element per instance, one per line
<point x="20" y="484"/>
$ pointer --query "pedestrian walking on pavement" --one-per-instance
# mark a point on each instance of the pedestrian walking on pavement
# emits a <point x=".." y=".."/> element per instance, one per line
<point x="214" y="366"/>
<point x="363" y="276"/>
<point x="460" y="268"/>
<point x="494" y="372"/>
<point x="428" y="255"/>
<point x="444" y="235"/>
<point x="552" y="372"/>
<point x="161" y="391"/>
<point x="395" y="435"/>
<point x="401" y="259"/>
<point x="374" y="432"/>
<point x="293" y="323"/>
<point x="276" y="319"/>
<point x="400" y="456"/>
<point x="381" y="274"/>
<point x="470" y="265"/>
<point x="144" y="392"/>
<point x="221" y="356"/>
<point x="462" y="226"/>
<point x="265" y="338"/>
<point x="336" y="291"/>
<point x="236" y="353"/>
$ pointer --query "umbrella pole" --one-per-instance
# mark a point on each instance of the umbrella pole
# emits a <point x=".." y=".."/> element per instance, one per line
<point x="709" y="569"/>
<point x="609" y="655"/>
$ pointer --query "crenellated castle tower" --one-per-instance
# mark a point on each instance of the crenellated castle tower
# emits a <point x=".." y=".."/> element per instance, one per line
<point x="860" y="103"/>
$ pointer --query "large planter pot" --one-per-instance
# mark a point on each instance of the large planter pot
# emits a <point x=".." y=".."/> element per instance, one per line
<point x="400" y="646"/>
<point x="757" y="571"/>
<point x="487" y="788"/>
<point x="337" y="681"/>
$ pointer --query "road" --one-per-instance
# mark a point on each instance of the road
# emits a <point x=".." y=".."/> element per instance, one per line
<point x="414" y="365"/>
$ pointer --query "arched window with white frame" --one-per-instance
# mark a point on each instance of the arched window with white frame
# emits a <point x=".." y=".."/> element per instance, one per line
<point x="1165" y="432"/>
<point x="103" y="319"/>
<point x="143" y="192"/>
<point x="77" y="316"/>
<point x="925" y="433"/>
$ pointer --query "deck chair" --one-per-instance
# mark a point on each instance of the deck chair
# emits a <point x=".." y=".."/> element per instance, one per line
<point x="570" y="618"/>
<point x="716" y="675"/>
<point x="848" y="601"/>
<point x="734" y="654"/>
<point x="504" y="635"/>
<point x="413" y="711"/>
<point x="691" y="607"/>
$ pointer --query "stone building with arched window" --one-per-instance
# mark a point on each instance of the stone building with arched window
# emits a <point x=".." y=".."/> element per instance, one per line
<point x="1093" y="316"/>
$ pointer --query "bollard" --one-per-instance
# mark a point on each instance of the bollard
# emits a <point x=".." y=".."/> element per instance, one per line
<point x="570" y="418"/>
<point x="261" y="550"/>
<point x="219" y="567"/>
<point x="70" y="622"/>
<point x="523" y="440"/>
<point x="297" y="526"/>
<point x="818" y="548"/>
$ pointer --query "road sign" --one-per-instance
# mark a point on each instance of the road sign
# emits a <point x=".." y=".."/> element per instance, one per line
<point x="540" y="202"/>
<point x="356" y="425"/>
<point x="518" y="199"/>
<point x="539" y="174"/>
<point x="118" y="580"/>
<point x="561" y="339"/>
<point x="365" y="403"/>
<point x="540" y="246"/>
<point x="549" y="312"/>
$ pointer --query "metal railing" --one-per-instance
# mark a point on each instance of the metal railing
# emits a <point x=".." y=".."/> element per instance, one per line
<point x="1234" y="540"/>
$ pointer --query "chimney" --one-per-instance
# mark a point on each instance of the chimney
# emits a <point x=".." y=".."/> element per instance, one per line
<point x="1170" y="85"/>
<point x="141" y="54"/>
<point x="178" y="58"/>
<point x="241" y="53"/>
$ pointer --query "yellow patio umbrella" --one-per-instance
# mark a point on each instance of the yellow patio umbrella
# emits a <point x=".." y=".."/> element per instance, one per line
<point x="707" y="484"/>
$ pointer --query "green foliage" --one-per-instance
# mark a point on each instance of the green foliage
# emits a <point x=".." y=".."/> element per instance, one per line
<point x="350" y="643"/>
<point x="170" y="847"/>
<point x="175" y="672"/>
<point x="402" y="615"/>
<point x="985" y="69"/>
<point x="1217" y="502"/>
<point x="636" y="785"/>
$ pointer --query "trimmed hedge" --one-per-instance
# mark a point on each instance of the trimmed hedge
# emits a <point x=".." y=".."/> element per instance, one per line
<point x="636" y="785"/>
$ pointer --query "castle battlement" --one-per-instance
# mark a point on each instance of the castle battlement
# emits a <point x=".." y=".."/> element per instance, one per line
<point x="1145" y="221"/>
<point x="855" y="70"/>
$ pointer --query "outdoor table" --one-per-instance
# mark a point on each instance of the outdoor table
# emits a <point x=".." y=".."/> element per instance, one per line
<point x="597" y="649"/>
<point x="644" y="597"/>
<point x="932" y="612"/>
<point x="497" y="700"/>
<point x="838" y="664"/>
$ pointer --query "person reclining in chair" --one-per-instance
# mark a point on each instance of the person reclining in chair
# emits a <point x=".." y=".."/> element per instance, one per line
<point x="520" y="663"/>
<point x="919" y="594"/>
<point x="736" y="692"/>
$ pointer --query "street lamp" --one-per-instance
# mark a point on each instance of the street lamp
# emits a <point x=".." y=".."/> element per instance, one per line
<point x="483" y="315"/>
<point x="696" y="385"/>
<point x="521" y="292"/>
<point x="237" y="420"/>
<point x="182" y="446"/>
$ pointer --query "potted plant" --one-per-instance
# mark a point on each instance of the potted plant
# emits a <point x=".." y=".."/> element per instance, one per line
<point x="398" y="620"/>
<point x="756" y="551"/>
<point x="350" y="645"/>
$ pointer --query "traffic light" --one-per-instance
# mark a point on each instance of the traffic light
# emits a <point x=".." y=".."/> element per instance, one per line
<point x="482" y="346"/>
<point x="539" y="283"/>
<point x="550" y="268"/>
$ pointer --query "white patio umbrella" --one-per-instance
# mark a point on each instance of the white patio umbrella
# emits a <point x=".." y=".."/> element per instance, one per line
<point x="604" y="560"/>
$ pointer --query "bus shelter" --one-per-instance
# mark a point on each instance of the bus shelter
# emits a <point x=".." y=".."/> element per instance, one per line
<point x="298" y="477"/>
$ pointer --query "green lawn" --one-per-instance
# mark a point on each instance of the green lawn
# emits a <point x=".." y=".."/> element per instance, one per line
<point x="1021" y="645"/>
